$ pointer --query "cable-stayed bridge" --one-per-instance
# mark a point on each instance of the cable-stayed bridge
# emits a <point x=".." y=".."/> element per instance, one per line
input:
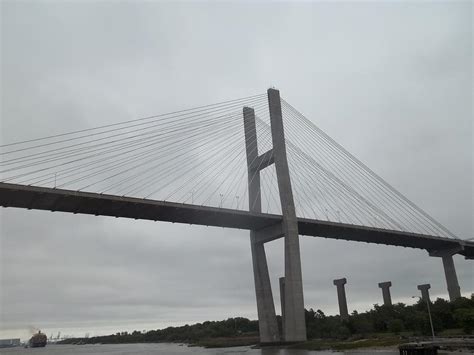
<point x="254" y="163"/>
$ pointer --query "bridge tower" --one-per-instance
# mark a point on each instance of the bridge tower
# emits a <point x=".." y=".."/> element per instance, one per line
<point x="294" y="327"/>
<point x="452" y="282"/>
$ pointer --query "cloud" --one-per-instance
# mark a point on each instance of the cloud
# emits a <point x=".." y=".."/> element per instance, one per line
<point x="391" y="82"/>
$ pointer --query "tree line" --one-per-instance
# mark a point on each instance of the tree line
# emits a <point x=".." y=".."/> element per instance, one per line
<point x="397" y="318"/>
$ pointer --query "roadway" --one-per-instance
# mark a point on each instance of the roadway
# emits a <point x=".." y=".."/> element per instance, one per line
<point x="78" y="202"/>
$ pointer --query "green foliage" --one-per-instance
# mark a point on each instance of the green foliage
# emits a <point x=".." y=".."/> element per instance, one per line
<point x="231" y="327"/>
<point x="395" y="326"/>
<point x="465" y="318"/>
<point x="380" y="320"/>
<point x="394" y="319"/>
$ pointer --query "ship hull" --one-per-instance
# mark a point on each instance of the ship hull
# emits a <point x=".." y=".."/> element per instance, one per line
<point x="38" y="340"/>
<point x="37" y="345"/>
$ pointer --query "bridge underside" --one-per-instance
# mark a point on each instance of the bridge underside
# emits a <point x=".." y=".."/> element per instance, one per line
<point x="48" y="199"/>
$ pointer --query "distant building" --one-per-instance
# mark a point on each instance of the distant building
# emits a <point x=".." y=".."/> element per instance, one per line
<point x="7" y="343"/>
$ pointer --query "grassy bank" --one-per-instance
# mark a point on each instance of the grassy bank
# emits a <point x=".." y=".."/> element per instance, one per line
<point x="325" y="344"/>
<point x="369" y="341"/>
<point x="314" y="344"/>
<point x="227" y="342"/>
<point x="376" y="340"/>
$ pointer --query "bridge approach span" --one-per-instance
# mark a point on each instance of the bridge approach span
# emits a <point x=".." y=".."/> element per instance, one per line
<point x="78" y="202"/>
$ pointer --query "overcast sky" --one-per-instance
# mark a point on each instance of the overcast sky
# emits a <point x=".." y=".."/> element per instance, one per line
<point x="390" y="81"/>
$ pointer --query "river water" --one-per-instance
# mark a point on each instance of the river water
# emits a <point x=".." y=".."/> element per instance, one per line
<point x="172" y="349"/>
<point x="164" y="349"/>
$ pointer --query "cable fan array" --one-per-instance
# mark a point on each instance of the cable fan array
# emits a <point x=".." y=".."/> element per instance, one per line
<point x="192" y="156"/>
<point x="198" y="156"/>
<point x="331" y="184"/>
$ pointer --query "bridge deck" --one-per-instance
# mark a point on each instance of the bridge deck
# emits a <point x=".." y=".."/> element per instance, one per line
<point x="41" y="198"/>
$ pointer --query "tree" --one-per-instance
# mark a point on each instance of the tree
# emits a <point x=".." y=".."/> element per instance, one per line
<point x="465" y="318"/>
<point x="395" y="326"/>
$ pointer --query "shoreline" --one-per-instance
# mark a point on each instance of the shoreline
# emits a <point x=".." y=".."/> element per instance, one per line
<point x="387" y="343"/>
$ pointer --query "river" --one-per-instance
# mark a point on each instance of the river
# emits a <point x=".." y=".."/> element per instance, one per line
<point x="172" y="349"/>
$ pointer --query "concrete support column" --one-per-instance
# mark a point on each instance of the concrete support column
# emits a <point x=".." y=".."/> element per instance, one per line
<point x="449" y="270"/>
<point x="282" y="301"/>
<point x="387" y="298"/>
<point x="341" y="297"/>
<point x="425" y="294"/>
<point x="451" y="278"/>
<point x="295" y="326"/>
<point x="268" y="326"/>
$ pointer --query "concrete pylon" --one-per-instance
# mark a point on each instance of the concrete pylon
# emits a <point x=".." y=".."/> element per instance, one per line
<point x="341" y="297"/>
<point x="425" y="293"/>
<point x="295" y="326"/>
<point x="282" y="301"/>
<point x="268" y="326"/>
<point x="451" y="278"/>
<point x="387" y="298"/>
<point x="452" y="282"/>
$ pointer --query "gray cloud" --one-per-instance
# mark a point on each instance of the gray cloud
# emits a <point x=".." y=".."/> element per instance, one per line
<point x="391" y="82"/>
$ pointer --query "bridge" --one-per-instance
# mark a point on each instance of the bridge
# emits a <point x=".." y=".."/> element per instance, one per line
<point x="202" y="166"/>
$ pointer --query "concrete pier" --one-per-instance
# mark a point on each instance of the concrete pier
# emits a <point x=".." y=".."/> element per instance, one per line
<point x="425" y="294"/>
<point x="452" y="282"/>
<point x="282" y="301"/>
<point x="268" y="326"/>
<point x="295" y="326"/>
<point x="451" y="278"/>
<point x="341" y="297"/>
<point x="387" y="298"/>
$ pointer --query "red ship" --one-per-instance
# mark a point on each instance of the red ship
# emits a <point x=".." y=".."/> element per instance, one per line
<point x="38" y="340"/>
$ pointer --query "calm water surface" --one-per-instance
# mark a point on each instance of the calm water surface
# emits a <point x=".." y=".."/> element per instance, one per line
<point x="170" y="349"/>
<point x="165" y="349"/>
